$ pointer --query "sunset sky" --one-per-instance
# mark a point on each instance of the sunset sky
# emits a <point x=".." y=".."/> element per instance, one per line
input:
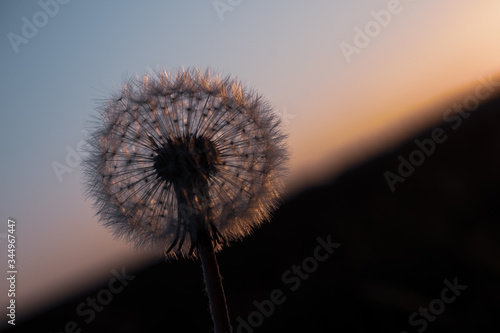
<point x="337" y="109"/>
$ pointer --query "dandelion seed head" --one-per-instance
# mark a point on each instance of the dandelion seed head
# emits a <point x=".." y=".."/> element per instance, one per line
<point x="171" y="152"/>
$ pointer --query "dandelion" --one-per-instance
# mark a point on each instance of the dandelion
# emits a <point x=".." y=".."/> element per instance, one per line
<point x="185" y="164"/>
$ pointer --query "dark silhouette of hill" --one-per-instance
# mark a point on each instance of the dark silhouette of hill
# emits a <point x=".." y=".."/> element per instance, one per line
<point x="432" y="243"/>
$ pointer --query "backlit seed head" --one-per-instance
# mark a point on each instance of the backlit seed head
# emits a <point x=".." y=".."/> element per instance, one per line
<point x="172" y="154"/>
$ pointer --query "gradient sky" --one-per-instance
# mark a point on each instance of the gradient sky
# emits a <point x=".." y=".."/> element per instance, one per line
<point x="335" y="111"/>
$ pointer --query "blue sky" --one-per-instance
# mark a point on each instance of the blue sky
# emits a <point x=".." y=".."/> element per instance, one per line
<point x="287" y="50"/>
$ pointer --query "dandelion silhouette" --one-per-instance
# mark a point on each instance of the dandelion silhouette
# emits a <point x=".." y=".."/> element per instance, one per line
<point x="185" y="164"/>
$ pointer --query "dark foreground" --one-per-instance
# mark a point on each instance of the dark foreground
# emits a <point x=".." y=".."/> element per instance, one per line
<point x="348" y="256"/>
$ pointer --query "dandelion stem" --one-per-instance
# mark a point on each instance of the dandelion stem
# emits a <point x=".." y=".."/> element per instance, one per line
<point x="213" y="284"/>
